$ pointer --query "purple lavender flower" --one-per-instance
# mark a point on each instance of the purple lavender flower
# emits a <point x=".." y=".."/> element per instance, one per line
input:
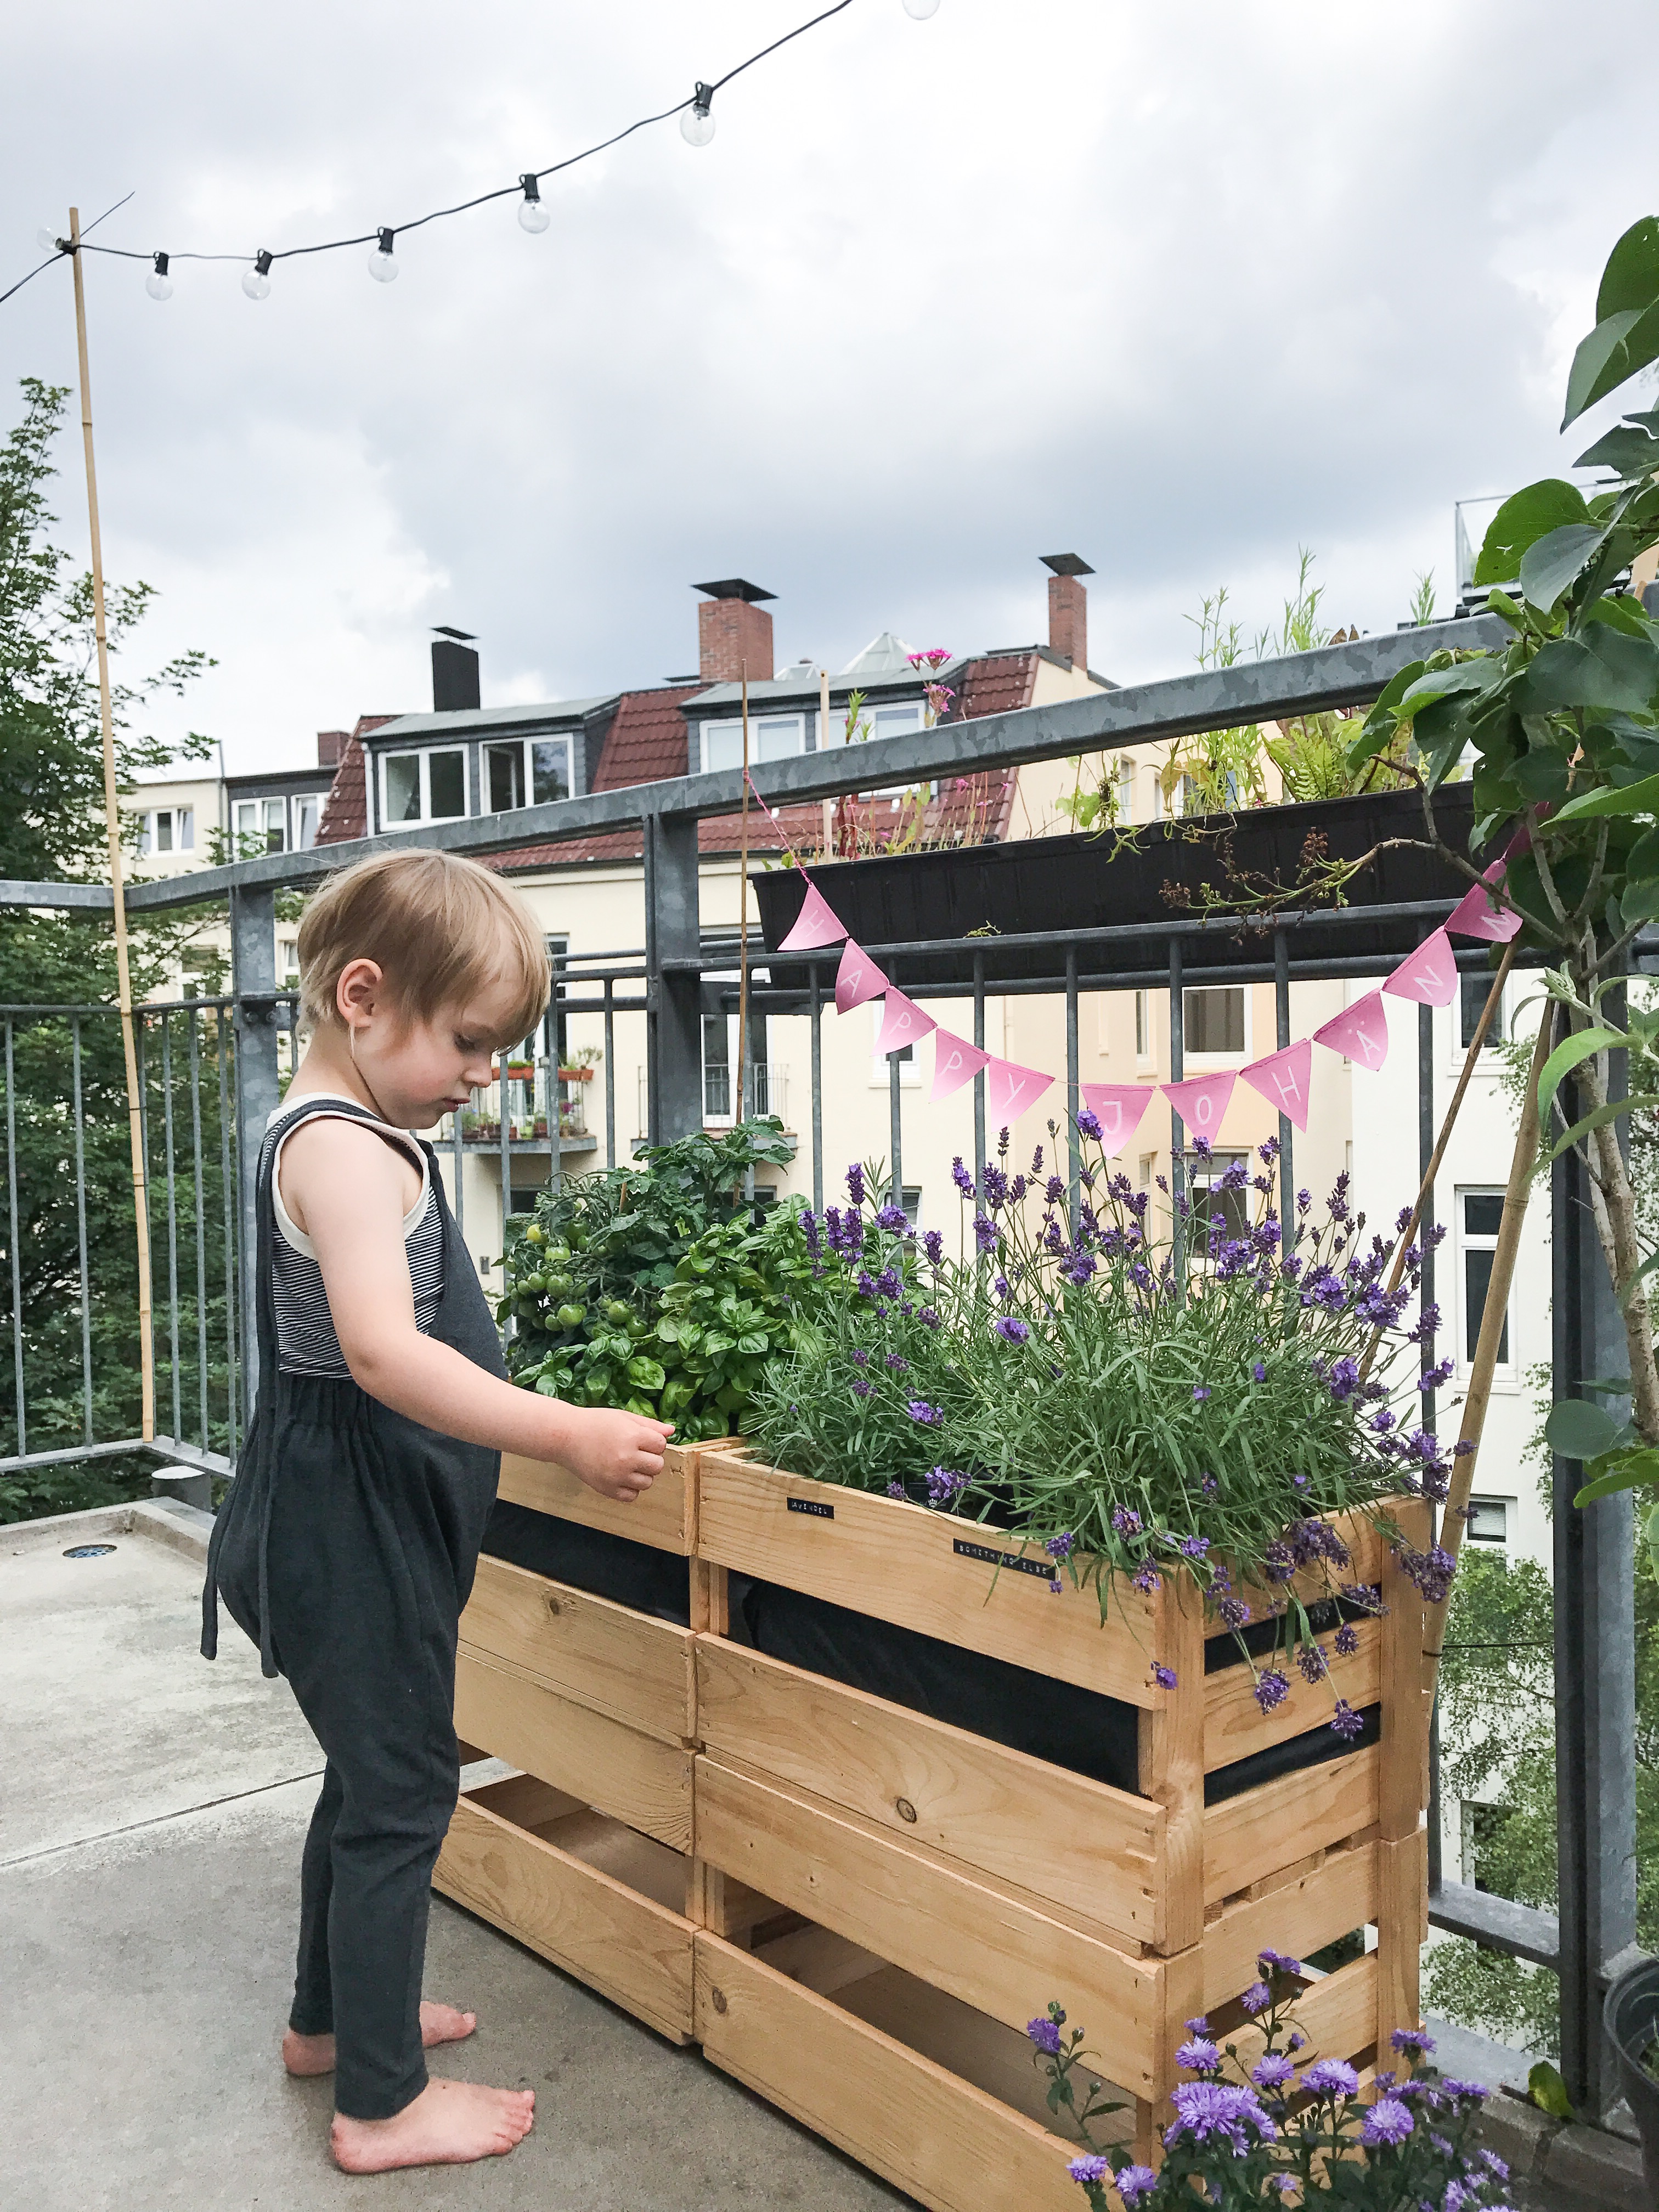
<point x="1200" y="1391"/>
<point x="960" y="1176"/>
<point x="1145" y="1577"/>
<point x="1410" y="2043"/>
<point x="860" y="1390"/>
<point x="1388" y="2121"/>
<point x="1133" y="2182"/>
<point x="860" y="1358"/>
<point x="927" y="1317"/>
<point x="893" y="1217"/>
<point x="996" y="1187"/>
<point x="1343" y="1378"/>
<point x="1310" y="1658"/>
<point x="1347" y="1640"/>
<point x="1036" y="1159"/>
<point x="1258" y="1370"/>
<point x="865" y="1284"/>
<point x="855" y="1183"/>
<point x="1127" y="1521"/>
<point x="934" y="1245"/>
<point x="1005" y="1138"/>
<point x="1045" y="2033"/>
<point x="1208" y="1485"/>
<point x="1234" y="1613"/>
<point x="943" y="1484"/>
<point x="898" y="1365"/>
<point x="896" y="1489"/>
<point x="1215" y="2108"/>
<point x="1432" y="1377"/>
<point x="1303" y="1200"/>
<point x="920" y="1410"/>
<point x="985" y="1233"/>
<point x="1200" y="2055"/>
<point x="1089" y="1124"/>
<point x="1165" y="1679"/>
<point x="1061" y="1547"/>
<point x="1271" y="1689"/>
<point x="1010" y="1330"/>
<point x="1271" y="2072"/>
<point x="1331" y="2077"/>
<point x="888" y="1285"/>
<point x="1257" y="1997"/>
<point x="1346" y="1721"/>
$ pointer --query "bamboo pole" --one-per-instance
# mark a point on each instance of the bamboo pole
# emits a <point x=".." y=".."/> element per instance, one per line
<point x="742" y="906"/>
<point x="1478" y="1394"/>
<point x="823" y="742"/>
<point x="122" y="969"/>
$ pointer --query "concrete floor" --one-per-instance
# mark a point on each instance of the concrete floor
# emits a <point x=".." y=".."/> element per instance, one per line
<point x="151" y="1813"/>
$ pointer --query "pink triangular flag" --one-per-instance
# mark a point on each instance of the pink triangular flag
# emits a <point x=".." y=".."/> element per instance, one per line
<point x="955" y="1062"/>
<point x="1475" y="913"/>
<point x="858" y="978"/>
<point x="1429" y="975"/>
<point x="1120" y="1109"/>
<point x="1202" y="1103"/>
<point x="902" y="1023"/>
<point x="1360" y="1033"/>
<point x="1283" y="1079"/>
<point x="815" y="925"/>
<point x="1010" y="1089"/>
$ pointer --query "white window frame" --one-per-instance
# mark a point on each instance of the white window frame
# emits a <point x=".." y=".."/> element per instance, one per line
<point x="1490" y="1062"/>
<point x="181" y="831"/>
<point x="1507" y="1374"/>
<point x="288" y="969"/>
<point x="708" y="729"/>
<point x="528" y="766"/>
<point x="1477" y="1506"/>
<point x="1190" y="1053"/>
<point x="1146" y="1039"/>
<point x="264" y="826"/>
<point x="424" y="755"/>
<point x="729" y="1120"/>
<point x="306" y="812"/>
<point x="909" y="1069"/>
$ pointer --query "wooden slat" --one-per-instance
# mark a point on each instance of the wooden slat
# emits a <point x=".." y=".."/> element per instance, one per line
<point x="1312" y="1909"/>
<point x="629" y="1948"/>
<point x="1405" y="1730"/>
<point x="634" y="1777"/>
<point x="997" y="1811"/>
<point x="928" y="2132"/>
<point x="897" y="1562"/>
<point x="526" y="1802"/>
<point x="664" y="1516"/>
<point x="1337" y="2013"/>
<point x="1171" y="1760"/>
<point x="1235" y="1726"/>
<point x="1002" y="1957"/>
<point x="608" y="1656"/>
<point x="1403" y="1879"/>
<point x="1251" y="1834"/>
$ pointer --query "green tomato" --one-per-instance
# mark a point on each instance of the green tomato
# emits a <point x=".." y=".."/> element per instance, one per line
<point x="556" y="1285"/>
<point x="570" y="1316"/>
<point x="617" y="1313"/>
<point x="535" y="1233"/>
<point x="558" y="1253"/>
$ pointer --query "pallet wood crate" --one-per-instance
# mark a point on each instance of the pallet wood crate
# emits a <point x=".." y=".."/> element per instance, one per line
<point x="586" y="1854"/>
<point x="1003" y="1881"/>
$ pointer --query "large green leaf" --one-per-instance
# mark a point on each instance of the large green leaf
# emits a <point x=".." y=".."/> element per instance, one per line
<point x="1629" y="452"/>
<point x="1553" y="561"/>
<point x="1601" y="1116"/>
<point x="1613" y="352"/>
<point x="1566" y="1056"/>
<point x="1634" y="1470"/>
<point x="1525" y="517"/>
<point x="1631" y="279"/>
<point x="1441" y="683"/>
<point x="1577" y="1430"/>
<point x="1606" y="671"/>
<point x="1641" y="798"/>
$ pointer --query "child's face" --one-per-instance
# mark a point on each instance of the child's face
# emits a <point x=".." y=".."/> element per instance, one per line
<point x="423" y="1069"/>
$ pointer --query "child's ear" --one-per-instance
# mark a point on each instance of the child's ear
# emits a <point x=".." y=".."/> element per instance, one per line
<point x="358" y="992"/>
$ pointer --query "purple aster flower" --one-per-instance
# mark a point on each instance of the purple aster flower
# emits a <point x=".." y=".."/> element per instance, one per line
<point x="1257" y="1997"/>
<point x="855" y="1183"/>
<point x="1271" y="2072"/>
<point x="1297" y="2040"/>
<point x="1215" y="2108"/>
<point x="1200" y="1390"/>
<point x="1010" y="1330"/>
<point x="1494" y="2165"/>
<point x="1472" y="2091"/>
<point x="1410" y="2043"/>
<point x="1045" y="2033"/>
<point x="1331" y="2077"/>
<point x="1388" y="2121"/>
<point x="1271" y="1689"/>
<point x="1347" y="1640"/>
<point x="1165" y="1679"/>
<point x="1201" y="2025"/>
<point x="1061" y="1547"/>
<point x="1133" y="2182"/>
<point x="1346" y="1721"/>
<point x="1093" y="2168"/>
<point x="1126" y="1520"/>
<point x="920" y="1410"/>
<point x="1200" y="2055"/>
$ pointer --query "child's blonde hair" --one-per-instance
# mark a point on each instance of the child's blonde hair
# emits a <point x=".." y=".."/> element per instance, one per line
<point x="438" y="926"/>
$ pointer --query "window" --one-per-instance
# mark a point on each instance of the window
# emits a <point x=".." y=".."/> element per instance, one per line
<point x="1125" y="791"/>
<point x="909" y="1198"/>
<point x="423" y="787"/>
<point x="1472" y="991"/>
<point x="771" y="737"/>
<point x="1143" y="1024"/>
<point x="716" y="1069"/>
<point x="264" y="822"/>
<point x="1148" y="1161"/>
<point x="1212" y="1021"/>
<point x="895" y="722"/>
<point x="527" y="772"/>
<point x="307" y="808"/>
<point x="288" y="960"/>
<point x="1231" y="1207"/>
<point x="167" y="830"/>
<point x="1479" y="1215"/>
<point x="504" y="778"/>
<point x="1489" y="1520"/>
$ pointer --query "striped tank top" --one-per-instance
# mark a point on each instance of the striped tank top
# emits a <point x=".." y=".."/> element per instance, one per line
<point x="306" y="1342"/>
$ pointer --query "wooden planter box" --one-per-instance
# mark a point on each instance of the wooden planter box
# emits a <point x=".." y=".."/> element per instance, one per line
<point x="1005" y="1881"/>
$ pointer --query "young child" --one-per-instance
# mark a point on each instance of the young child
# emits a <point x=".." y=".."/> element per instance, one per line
<point x="347" y="1546"/>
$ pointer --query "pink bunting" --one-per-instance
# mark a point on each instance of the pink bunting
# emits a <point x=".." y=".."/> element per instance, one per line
<point x="1283" y="1079"/>
<point x="1477" y="914"/>
<point x="1120" y="1109"/>
<point x="1011" y="1089"/>
<point x="858" y="978"/>
<point x="902" y="1023"/>
<point x="1202" y="1103"/>
<point x="1429" y="975"/>
<point x="1361" y="1033"/>
<point x="815" y="925"/>
<point x="955" y="1062"/>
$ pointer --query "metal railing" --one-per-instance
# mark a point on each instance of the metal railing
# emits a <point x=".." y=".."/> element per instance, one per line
<point x="675" y="980"/>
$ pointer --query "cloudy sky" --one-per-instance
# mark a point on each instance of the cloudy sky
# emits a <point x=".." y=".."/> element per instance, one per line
<point x="1179" y="288"/>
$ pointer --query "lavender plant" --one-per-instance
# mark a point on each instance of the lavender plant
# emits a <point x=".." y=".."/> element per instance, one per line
<point x="1131" y="1406"/>
<point x="1268" y="2128"/>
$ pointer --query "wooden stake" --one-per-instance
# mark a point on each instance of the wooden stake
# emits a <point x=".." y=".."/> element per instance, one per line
<point x="1493" y="1317"/>
<point x="742" y="906"/>
<point x="123" y="972"/>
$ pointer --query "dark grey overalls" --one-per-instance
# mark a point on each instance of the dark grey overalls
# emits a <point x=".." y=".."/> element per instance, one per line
<point x="346" y="1551"/>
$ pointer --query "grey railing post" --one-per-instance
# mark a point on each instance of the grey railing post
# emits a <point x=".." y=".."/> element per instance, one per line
<point x="673" y="1022"/>
<point x="253" y="970"/>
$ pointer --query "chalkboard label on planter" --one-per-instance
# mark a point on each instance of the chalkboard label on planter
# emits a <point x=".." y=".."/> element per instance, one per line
<point x="811" y="1505"/>
<point x="1043" y="1567"/>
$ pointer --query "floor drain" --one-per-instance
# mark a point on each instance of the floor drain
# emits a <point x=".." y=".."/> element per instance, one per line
<point x="88" y="1551"/>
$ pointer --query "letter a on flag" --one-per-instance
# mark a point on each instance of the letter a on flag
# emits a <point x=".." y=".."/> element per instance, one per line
<point x="1429" y="975"/>
<point x="1361" y="1033"/>
<point x="1283" y="1078"/>
<point x="1120" y="1109"/>
<point x="1202" y="1103"/>
<point x="815" y="925"/>
<point x="1010" y="1089"/>
<point x="902" y="1023"/>
<point x="858" y="978"/>
<point x="955" y="1062"/>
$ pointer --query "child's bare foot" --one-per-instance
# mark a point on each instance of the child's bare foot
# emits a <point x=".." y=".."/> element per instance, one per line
<point x="449" y="2123"/>
<point x="306" y="2055"/>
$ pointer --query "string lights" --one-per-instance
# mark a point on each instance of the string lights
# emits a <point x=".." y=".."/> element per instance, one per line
<point x="696" y="128"/>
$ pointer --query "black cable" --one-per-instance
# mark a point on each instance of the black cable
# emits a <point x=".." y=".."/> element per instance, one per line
<point x="61" y="252"/>
<point x="440" y="214"/>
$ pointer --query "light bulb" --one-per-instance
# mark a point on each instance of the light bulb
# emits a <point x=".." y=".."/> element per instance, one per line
<point x="381" y="266"/>
<point x="158" y="284"/>
<point x="696" y="123"/>
<point x="46" y="238"/>
<point x="921" y="9"/>
<point x="532" y="216"/>
<point x="256" y="281"/>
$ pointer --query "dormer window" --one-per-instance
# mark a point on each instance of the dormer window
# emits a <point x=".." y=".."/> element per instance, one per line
<point x="424" y="787"/>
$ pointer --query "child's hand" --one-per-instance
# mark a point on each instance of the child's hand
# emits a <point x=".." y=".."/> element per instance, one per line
<point x="619" y="1455"/>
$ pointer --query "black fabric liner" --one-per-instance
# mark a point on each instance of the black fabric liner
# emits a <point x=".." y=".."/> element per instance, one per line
<point x="1057" y="1721"/>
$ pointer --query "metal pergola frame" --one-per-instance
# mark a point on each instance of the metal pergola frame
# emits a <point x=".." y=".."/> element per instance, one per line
<point x="1593" y="1934"/>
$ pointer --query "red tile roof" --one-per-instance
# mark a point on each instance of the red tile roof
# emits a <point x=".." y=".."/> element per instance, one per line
<point x="345" y="809"/>
<point x="647" y="740"/>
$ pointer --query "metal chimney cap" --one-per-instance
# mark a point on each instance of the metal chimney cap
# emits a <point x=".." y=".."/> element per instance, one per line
<point x="463" y="636"/>
<point x="1066" y="564"/>
<point x="734" y="587"/>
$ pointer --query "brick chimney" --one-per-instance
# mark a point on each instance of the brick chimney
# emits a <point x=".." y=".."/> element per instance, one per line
<point x="330" y="744"/>
<point x="732" y="630"/>
<point x="1068" y="607"/>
